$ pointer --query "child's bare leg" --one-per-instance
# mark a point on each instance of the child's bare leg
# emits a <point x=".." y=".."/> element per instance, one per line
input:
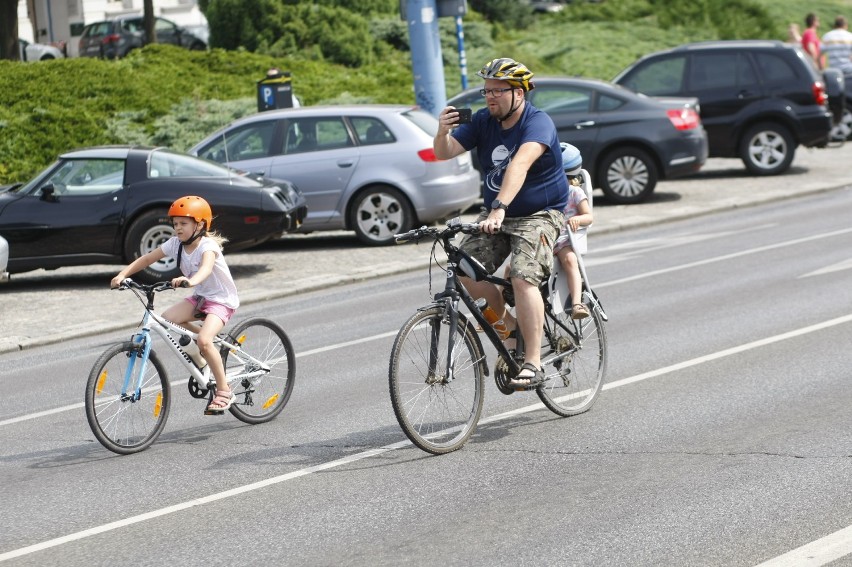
<point x="568" y="259"/>
<point x="181" y="313"/>
<point x="211" y="327"/>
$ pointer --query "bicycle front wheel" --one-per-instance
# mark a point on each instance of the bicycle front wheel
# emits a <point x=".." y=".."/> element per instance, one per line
<point x="574" y="361"/>
<point x="436" y="393"/>
<point x="124" y="417"/>
<point x="260" y="394"/>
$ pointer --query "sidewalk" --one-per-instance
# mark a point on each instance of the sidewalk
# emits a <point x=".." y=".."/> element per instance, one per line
<point x="41" y="307"/>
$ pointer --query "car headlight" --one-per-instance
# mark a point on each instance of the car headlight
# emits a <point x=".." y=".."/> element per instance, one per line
<point x="289" y="195"/>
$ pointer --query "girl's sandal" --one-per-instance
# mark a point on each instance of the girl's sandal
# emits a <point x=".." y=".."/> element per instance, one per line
<point x="221" y="402"/>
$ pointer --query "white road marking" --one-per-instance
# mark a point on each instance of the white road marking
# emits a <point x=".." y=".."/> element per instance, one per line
<point x="71" y="407"/>
<point x="840" y="266"/>
<point x="656" y="246"/>
<point x="723" y="257"/>
<point x="819" y="552"/>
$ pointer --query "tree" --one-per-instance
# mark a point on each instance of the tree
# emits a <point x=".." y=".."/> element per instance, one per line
<point x="9" y="30"/>
<point x="148" y="19"/>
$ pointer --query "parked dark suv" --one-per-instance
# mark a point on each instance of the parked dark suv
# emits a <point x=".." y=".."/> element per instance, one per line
<point x="115" y="38"/>
<point x="758" y="99"/>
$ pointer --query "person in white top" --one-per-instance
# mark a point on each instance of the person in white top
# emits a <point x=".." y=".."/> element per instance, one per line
<point x="200" y="259"/>
<point x="578" y="216"/>
<point x="837" y="46"/>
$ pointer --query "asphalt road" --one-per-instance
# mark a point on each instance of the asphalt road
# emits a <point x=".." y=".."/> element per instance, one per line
<point x="45" y="307"/>
<point x="721" y="437"/>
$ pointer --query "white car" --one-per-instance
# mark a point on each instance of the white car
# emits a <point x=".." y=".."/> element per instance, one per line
<point x="4" y="260"/>
<point x="38" y="51"/>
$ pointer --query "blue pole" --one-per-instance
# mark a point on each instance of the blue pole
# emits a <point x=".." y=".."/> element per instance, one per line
<point x="430" y="91"/>
<point x="462" y="56"/>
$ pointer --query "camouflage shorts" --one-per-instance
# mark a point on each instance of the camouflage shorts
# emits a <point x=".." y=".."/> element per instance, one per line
<point x="529" y="239"/>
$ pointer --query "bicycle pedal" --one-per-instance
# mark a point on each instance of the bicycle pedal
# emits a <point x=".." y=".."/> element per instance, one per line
<point x="214" y="412"/>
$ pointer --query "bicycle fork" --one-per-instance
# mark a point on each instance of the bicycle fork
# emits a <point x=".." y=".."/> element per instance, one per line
<point x="142" y="352"/>
<point x="450" y="315"/>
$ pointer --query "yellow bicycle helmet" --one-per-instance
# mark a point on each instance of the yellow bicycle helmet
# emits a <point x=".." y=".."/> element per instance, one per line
<point x="193" y="207"/>
<point x="509" y="70"/>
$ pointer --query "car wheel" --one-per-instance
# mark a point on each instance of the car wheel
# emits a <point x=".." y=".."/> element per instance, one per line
<point x="627" y="176"/>
<point x="843" y="130"/>
<point x="146" y="234"/>
<point x="379" y="212"/>
<point x="767" y="149"/>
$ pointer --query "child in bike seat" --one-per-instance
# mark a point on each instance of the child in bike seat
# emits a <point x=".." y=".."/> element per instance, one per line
<point x="200" y="260"/>
<point x="578" y="216"/>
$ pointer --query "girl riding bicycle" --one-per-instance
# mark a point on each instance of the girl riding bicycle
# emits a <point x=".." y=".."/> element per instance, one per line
<point x="200" y="259"/>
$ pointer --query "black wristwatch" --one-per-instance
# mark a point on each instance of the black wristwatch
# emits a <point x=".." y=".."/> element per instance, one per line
<point x="498" y="204"/>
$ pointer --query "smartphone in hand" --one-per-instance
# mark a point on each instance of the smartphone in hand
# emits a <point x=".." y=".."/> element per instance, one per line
<point x="464" y="115"/>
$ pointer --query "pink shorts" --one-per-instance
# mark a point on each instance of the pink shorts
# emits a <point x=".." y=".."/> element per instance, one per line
<point x="204" y="307"/>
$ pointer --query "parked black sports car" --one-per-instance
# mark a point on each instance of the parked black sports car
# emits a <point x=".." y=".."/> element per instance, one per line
<point x="109" y="205"/>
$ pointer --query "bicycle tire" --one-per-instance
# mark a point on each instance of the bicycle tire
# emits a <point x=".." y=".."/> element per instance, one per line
<point x="121" y="423"/>
<point x="436" y="415"/>
<point x="261" y="398"/>
<point x="572" y="383"/>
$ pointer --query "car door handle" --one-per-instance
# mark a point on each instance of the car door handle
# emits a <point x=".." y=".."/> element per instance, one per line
<point x="744" y="94"/>
<point x="345" y="163"/>
<point x="586" y="124"/>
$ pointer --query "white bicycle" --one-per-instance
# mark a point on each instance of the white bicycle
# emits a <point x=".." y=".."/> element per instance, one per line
<point x="128" y="393"/>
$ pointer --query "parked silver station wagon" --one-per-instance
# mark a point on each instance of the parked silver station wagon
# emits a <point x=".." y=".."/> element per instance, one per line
<point x="367" y="168"/>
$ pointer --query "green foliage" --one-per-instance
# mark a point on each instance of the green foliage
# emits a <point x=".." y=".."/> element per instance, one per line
<point x="159" y="95"/>
<point x="509" y="13"/>
<point x="726" y="19"/>
<point x="338" y="51"/>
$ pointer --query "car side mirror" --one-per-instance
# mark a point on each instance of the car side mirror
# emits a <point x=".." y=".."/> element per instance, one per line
<point x="48" y="193"/>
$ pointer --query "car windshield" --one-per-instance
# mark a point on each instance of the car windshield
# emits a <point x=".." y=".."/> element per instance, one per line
<point x="167" y="164"/>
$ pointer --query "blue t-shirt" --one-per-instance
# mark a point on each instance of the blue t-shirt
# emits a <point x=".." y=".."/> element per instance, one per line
<point x="545" y="186"/>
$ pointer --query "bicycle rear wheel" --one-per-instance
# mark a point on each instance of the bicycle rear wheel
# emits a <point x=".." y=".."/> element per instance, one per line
<point x="127" y="420"/>
<point x="260" y="396"/>
<point x="574" y="362"/>
<point x="437" y="414"/>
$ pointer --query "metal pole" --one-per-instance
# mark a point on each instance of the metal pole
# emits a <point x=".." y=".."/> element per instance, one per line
<point x="462" y="56"/>
<point x="426" y="62"/>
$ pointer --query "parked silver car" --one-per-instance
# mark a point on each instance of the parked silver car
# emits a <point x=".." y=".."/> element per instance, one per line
<point x="367" y="168"/>
<point x="4" y="259"/>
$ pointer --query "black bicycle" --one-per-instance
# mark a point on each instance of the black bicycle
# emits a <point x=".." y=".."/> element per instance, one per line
<point x="438" y="363"/>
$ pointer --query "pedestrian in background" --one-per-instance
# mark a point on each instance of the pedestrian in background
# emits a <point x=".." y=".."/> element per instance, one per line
<point x="837" y="46"/>
<point x="810" y="40"/>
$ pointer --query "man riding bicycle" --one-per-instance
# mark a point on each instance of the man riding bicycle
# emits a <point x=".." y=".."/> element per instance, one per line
<point x="525" y="192"/>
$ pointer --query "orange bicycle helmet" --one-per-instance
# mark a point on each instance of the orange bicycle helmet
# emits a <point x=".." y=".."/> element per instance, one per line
<point x="509" y="70"/>
<point x="193" y="207"/>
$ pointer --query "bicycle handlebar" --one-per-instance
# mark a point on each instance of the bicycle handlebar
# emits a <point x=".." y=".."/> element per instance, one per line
<point x="454" y="226"/>
<point x="156" y="286"/>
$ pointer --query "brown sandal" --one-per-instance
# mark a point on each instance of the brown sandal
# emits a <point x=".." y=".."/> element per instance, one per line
<point x="579" y="311"/>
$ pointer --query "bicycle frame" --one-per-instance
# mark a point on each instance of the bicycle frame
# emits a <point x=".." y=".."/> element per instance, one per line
<point x="162" y="328"/>
<point x="554" y="300"/>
